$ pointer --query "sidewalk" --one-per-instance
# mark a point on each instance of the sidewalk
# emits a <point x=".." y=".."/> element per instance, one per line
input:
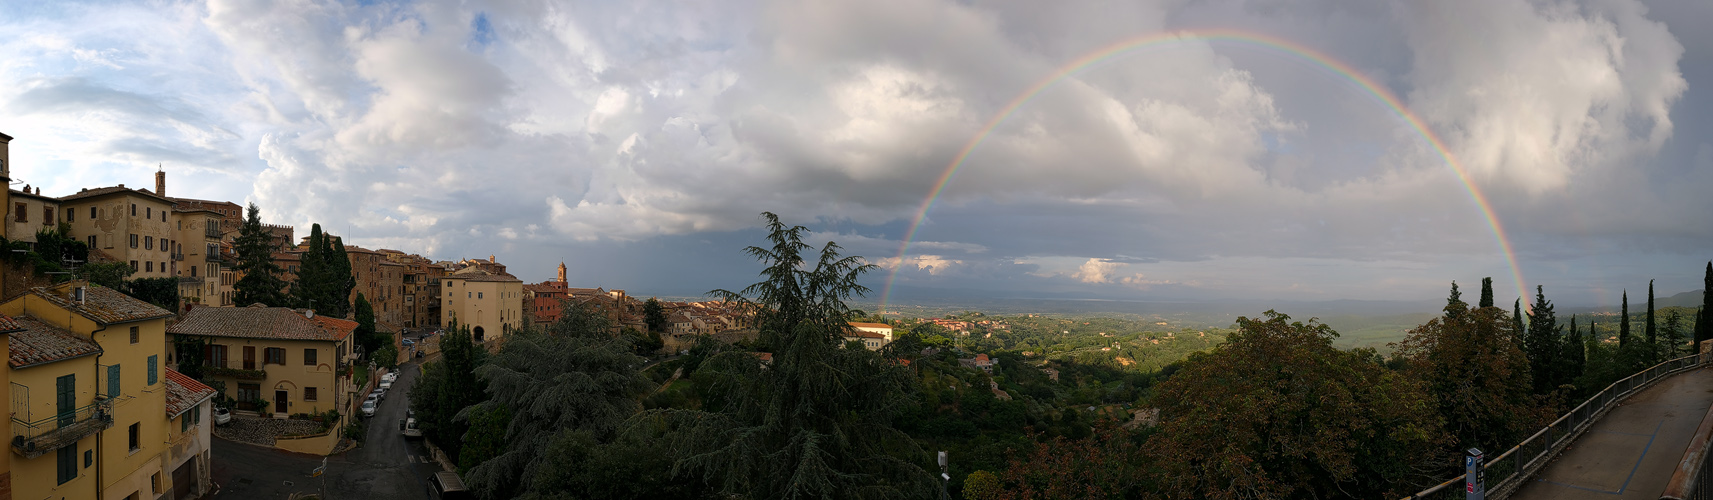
<point x="1632" y="452"/>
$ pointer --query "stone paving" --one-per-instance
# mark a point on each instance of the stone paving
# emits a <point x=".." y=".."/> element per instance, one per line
<point x="262" y="431"/>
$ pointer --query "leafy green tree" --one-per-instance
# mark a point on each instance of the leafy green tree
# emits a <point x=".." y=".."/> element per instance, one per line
<point x="981" y="485"/>
<point x="188" y="349"/>
<point x="107" y="274"/>
<point x="817" y="422"/>
<point x="447" y="388"/>
<point x="1278" y="412"/>
<point x="1477" y="375"/>
<point x="1673" y="335"/>
<point x="654" y="315"/>
<point x="632" y="466"/>
<point x="162" y="292"/>
<point x="261" y="283"/>
<point x="1486" y="293"/>
<point x="575" y="376"/>
<point x="1542" y="345"/>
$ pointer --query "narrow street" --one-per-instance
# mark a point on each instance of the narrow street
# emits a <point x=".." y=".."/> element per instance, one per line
<point x="384" y="467"/>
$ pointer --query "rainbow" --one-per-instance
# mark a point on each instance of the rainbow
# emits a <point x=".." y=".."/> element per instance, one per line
<point x="1270" y="43"/>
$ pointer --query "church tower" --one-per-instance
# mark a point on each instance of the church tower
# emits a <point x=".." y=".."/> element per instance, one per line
<point x="561" y="272"/>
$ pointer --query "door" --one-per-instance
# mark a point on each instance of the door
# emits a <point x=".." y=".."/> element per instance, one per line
<point x="280" y="401"/>
<point x="249" y="357"/>
<point x="65" y="399"/>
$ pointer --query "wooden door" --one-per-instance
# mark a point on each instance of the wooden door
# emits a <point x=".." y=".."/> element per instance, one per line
<point x="249" y="357"/>
<point x="280" y="401"/>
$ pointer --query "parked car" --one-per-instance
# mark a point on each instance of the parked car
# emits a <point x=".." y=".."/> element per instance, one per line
<point x="369" y="407"/>
<point x="409" y="429"/>
<point x="409" y="342"/>
<point x="378" y="394"/>
<point x="390" y="377"/>
<point x="386" y="385"/>
<point x="447" y="486"/>
<point x="222" y="416"/>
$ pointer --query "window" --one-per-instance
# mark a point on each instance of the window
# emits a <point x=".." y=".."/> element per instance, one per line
<point x="133" y="241"/>
<point x="133" y="209"/>
<point x="91" y="213"/>
<point x="274" y="356"/>
<point x="193" y="271"/>
<point x="309" y="394"/>
<point x="149" y="243"/>
<point x="91" y="241"/>
<point x="136" y="435"/>
<point x="309" y="357"/>
<point x="88" y="458"/>
<point x="184" y="423"/>
<point x="155" y="483"/>
<point x="23" y="212"/>
<point x="70" y="214"/>
<point x="134" y="266"/>
<point x="67" y="463"/>
<point x="216" y="355"/>
<point x="154" y="364"/>
<point x="47" y="214"/>
<point x="148" y="212"/>
<point x="133" y="335"/>
<point x="113" y="385"/>
<point x="478" y="295"/>
<point x="163" y="216"/>
<point x="249" y="392"/>
<point x="149" y="266"/>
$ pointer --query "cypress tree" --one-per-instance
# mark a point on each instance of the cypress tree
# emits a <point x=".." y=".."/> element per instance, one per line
<point x="1673" y="334"/>
<point x="1572" y="354"/>
<point x="1486" y="292"/>
<point x="307" y="291"/>
<point x="1624" y="322"/>
<point x="1704" y="318"/>
<point x="340" y="282"/>
<point x="1517" y="318"/>
<point x="1649" y="333"/>
<point x="1541" y="344"/>
<point x="261" y="283"/>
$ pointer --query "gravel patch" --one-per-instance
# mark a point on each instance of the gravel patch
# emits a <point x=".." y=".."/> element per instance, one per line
<point x="262" y="431"/>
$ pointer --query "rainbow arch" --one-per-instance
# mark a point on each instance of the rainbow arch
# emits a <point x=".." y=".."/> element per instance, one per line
<point x="1270" y="43"/>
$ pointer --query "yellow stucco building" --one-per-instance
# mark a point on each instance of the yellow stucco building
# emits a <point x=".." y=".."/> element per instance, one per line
<point x="126" y="225"/>
<point x="89" y="402"/>
<point x="289" y="360"/>
<point x="196" y="238"/>
<point x="491" y="304"/>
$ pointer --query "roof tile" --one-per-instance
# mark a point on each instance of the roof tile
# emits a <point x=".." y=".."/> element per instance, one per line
<point x="104" y="305"/>
<point x="261" y="323"/>
<point x="184" y="393"/>
<point x="41" y="343"/>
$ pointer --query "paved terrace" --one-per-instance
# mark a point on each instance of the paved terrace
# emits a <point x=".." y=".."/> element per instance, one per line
<point x="1632" y="452"/>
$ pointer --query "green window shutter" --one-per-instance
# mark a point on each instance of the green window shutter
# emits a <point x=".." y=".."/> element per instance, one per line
<point x="184" y="423"/>
<point x="154" y="362"/>
<point x="67" y="463"/>
<point x="113" y="381"/>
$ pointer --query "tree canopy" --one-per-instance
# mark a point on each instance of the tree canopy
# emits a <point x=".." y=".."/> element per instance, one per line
<point x="261" y="282"/>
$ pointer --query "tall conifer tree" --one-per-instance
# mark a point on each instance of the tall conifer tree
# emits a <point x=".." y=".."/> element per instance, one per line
<point x="1624" y="321"/>
<point x="1517" y="319"/>
<point x="1704" y="319"/>
<point x="1541" y="344"/>
<point x="261" y="283"/>
<point x="307" y="291"/>
<point x="1649" y="332"/>
<point x="340" y="281"/>
<point x="1486" y="292"/>
<point x="1572" y="354"/>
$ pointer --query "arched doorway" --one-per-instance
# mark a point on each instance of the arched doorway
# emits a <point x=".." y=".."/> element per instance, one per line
<point x="477" y="334"/>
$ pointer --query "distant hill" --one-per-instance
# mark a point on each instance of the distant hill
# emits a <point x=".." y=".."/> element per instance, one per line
<point x="1685" y="299"/>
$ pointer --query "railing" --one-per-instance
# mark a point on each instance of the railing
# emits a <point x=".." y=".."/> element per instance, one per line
<point x="35" y="438"/>
<point x="178" y="257"/>
<point x="1508" y="471"/>
<point x="1690" y="479"/>
<point x="213" y="257"/>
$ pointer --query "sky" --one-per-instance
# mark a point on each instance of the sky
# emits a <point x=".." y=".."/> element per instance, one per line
<point x="638" y="142"/>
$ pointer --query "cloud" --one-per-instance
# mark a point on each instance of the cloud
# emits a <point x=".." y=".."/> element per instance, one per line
<point x="1096" y="271"/>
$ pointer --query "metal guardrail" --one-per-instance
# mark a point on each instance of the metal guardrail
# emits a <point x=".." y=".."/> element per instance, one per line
<point x="25" y="431"/>
<point x="1689" y="481"/>
<point x="1520" y="462"/>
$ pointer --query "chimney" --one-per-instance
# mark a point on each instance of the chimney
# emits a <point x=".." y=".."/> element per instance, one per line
<point x="161" y="183"/>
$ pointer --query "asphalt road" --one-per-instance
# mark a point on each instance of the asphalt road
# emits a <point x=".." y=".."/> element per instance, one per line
<point x="385" y="467"/>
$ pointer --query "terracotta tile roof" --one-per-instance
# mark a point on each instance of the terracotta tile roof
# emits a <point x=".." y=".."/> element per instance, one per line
<point x="104" y="305"/>
<point x="863" y="334"/>
<point x="91" y="193"/>
<point x="184" y="393"/>
<point x="473" y="274"/>
<point x="871" y="325"/>
<point x="261" y="323"/>
<point x="42" y="343"/>
<point x="7" y="325"/>
<point x="28" y="194"/>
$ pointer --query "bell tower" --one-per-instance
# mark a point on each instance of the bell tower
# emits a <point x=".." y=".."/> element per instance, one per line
<point x="561" y="272"/>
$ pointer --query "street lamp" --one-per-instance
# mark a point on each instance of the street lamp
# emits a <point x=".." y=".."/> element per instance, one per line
<point x="945" y="478"/>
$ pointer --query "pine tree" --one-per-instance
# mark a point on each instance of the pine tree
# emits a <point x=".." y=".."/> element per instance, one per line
<point x="817" y="422"/>
<point x="340" y="283"/>
<point x="1624" y="322"/>
<point x="654" y="315"/>
<point x="1486" y="292"/>
<point x="1455" y="304"/>
<point x="1517" y="319"/>
<point x="1541" y="344"/>
<point x="261" y="283"/>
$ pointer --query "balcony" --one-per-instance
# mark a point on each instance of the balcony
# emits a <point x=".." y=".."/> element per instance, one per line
<point x="178" y="256"/>
<point x="34" y="439"/>
<point x="213" y="258"/>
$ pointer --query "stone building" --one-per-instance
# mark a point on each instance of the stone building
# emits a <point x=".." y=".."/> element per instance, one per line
<point x="490" y="304"/>
<point x="126" y="225"/>
<point x="31" y="212"/>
